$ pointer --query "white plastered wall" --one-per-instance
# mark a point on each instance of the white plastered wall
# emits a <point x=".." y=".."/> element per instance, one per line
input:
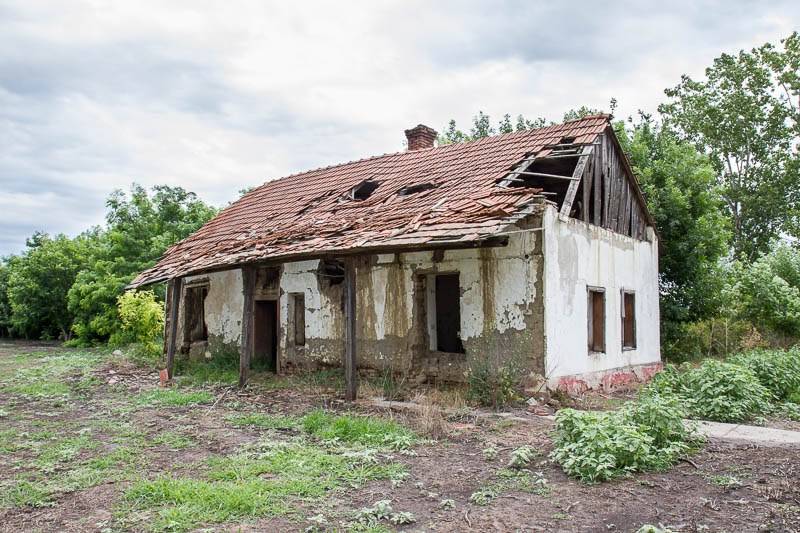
<point x="223" y="305"/>
<point x="577" y="255"/>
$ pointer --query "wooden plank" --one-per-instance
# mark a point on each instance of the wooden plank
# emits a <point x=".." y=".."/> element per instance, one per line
<point x="246" y="348"/>
<point x="350" y="374"/>
<point x="626" y="223"/>
<point x="623" y="204"/>
<point x="525" y="163"/>
<point x="566" y="207"/>
<point x="606" y="185"/>
<point x="587" y="188"/>
<point x="597" y="170"/>
<point x="544" y="175"/>
<point x="175" y="289"/>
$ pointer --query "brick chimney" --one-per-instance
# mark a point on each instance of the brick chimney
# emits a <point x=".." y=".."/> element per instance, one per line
<point x="420" y="137"/>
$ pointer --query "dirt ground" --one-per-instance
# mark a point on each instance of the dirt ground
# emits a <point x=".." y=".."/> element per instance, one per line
<point x="724" y="487"/>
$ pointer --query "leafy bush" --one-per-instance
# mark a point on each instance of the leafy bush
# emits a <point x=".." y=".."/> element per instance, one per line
<point x="769" y="291"/>
<point x="494" y="386"/>
<point x="715" y="390"/>
<point x="777" y="370"/>
<point x="142" y="319"/>
<point x="648" y="434"/>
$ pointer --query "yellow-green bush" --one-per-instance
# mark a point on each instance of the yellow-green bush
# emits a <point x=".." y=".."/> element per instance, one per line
<point x="142" y="318"/>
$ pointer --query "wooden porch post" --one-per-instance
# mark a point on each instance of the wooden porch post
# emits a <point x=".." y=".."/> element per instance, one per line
<point x="174" y="288"/>
<point x="350" y="374"/>
<point x="246" y="349"/>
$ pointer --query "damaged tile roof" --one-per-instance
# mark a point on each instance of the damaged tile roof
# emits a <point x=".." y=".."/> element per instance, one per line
<point x="434" y="195"/>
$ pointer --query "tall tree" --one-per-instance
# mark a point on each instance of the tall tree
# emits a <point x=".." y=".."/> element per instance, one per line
<point x="140" y="227"/>
<point x="745" y="116"/>
<point x="38" y="282"/>
<point x="679" y="184"/>
<point x="5" y="305"/>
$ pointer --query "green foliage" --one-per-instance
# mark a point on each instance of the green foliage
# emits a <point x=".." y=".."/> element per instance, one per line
<point x="777" y="370"/>
<point x="715" y="390"/>
<point x="768" y="291"/>
<point x="682" y="196"/>
<point x="743" y="114"/>
<point x="647" y="434"/>
<point x="521" y="457"/>
<point x="355" y="429"/>
<point x="262" y="481"/>
<point x="38" y="282"/>
<point x="482" y="127"/>
<point x="494" y="385"/>
<point x="265" y="421"/>
<point x="140" y="227"/>
<point x="142" y="318"/>
<point x="5" y="304"/>
<point x="173" y="398"/>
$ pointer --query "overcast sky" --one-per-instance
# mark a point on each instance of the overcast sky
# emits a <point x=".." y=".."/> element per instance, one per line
<point x="217" y="96"/>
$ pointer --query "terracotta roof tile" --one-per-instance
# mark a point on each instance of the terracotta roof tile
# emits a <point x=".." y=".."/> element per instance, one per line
<point x="308" y="213"/>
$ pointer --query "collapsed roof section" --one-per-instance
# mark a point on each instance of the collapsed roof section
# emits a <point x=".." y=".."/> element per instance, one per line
<point x="459" y="193"/>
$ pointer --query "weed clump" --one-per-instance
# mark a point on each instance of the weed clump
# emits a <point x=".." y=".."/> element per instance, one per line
<point x="494" y="386"/>
<point x="777" y="370"/>
<point x="715" y="390"/>
<point x="647" y="434"/>
<point x="354" y="429"/>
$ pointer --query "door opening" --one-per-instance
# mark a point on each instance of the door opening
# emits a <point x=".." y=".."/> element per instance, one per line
<point x="265" y="343"/>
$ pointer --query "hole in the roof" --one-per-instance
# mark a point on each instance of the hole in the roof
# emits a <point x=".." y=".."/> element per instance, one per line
<point x="566" y="140"/>
<point x="332" y="271"/>
<point x="416" y="188"/>
<point x="363" y="190"/>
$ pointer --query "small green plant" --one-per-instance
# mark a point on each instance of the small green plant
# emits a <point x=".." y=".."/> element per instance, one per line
<point x="727" y="481"/>
<point x="264" y="421"/>
<point x="401" y="518"/>
<point x="483" y="496"/>
<point x="447" y="504"/>
<point x="494" y="385"/>
<point x="490" y="452"/>
<point x="522" y="457"/>
<point x="173" y="397"/>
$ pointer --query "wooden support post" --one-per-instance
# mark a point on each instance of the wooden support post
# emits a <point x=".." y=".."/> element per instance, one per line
<point x="174" y="289"/>
<point x="246" y="349"/>
<point x="566" y="207"/>
<point x="350" y="374"/>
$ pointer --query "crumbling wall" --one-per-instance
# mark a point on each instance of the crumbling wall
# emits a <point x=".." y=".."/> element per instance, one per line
<point x="223" y="312"/>
<point x="578" y="255"/>
<point x="501" y="309"/>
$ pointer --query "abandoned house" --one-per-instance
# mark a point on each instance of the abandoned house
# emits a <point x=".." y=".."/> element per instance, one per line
<point x="533" y="248"/>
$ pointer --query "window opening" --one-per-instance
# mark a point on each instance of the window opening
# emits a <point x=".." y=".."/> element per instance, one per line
<point x="596" y="317"/>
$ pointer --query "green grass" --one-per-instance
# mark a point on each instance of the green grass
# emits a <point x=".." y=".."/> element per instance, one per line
<point x="42" y="375"/>
<point x="354" y="429"/>
<point x="25" y="494"/>
<point x="173" y="440"/>
<point x="264" y="421"/>
<point x="172" y="398"/>
<point x="268" y="480"/>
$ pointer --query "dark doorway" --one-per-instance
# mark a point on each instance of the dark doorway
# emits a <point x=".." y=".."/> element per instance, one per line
<point x="265" y="330"/>
<point x="448" y="314"/>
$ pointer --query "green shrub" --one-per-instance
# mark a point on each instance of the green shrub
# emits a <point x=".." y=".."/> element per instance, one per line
<point x="494" y="386"/>
<point x="777" y="370"/>
<point x="647" y="434"/>
<point x="142" y="318"/>
<point x="715" y="390"/>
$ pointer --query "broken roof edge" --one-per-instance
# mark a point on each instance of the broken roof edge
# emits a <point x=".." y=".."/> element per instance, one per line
<point x="457" y="242"/>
